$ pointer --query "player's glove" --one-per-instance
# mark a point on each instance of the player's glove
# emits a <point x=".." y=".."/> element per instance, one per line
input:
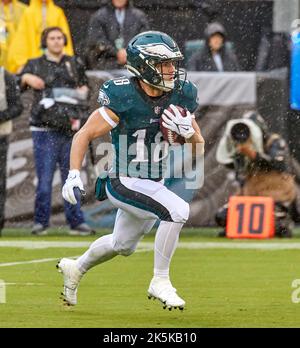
<point x="72" y="181"/>
<point x="178" y="123"/>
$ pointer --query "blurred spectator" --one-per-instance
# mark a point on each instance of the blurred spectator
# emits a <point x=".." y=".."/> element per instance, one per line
<point x="109" y="32"/>
<point x="26" y="43"/>
<point x="10" y="107"/>
<point x="57" y="79"/>
<point x="10" y="15"/>
<point x="262" y="166"/>
<point x="215" y="55"/>
<point x="273" y="51"/>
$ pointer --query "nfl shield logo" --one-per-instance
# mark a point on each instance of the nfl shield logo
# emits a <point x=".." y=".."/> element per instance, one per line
<point x="157" y="110"/>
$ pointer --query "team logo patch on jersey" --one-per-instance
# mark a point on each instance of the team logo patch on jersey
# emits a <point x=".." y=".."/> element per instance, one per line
<point x="103" y="98"/>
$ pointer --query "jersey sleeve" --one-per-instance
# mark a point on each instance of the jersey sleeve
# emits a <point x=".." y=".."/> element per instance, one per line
<point x="115" y="95"/>
<point x="190" y="93"/>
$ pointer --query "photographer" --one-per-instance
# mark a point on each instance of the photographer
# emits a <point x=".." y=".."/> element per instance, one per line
<point x="60" y="86"/>
<point x="262" y="167"/>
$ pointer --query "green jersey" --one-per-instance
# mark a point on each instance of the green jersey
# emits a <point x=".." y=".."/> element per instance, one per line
<point x="139" y="148"/>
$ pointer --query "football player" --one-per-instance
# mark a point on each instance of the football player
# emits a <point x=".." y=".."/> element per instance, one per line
<point x="132" y="108"/>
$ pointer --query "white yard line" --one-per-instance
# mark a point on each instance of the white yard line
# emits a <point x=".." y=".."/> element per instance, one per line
<point x="29" y="244"/>
<point x="7" y="264"/>
<point x="261" y="245"/>
<point x="26" y="284"/>
<point x="143" y="247"/>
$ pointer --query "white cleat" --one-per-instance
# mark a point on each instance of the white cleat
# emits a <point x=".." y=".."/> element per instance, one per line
<point x="72" y="277"/>
<point x="163" y="290"/>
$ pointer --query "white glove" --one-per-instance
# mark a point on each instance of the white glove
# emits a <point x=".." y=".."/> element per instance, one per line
<point x="72" y="181"/>
<point x="178" y="124"/>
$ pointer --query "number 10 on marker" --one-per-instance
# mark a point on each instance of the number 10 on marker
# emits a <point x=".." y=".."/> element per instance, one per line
<point x="250" y="217"/>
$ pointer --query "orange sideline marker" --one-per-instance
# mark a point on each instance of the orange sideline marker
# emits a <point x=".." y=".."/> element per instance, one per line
<point x="250" y="217"/>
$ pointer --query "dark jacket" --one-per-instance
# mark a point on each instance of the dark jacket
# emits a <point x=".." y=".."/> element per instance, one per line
<point x="203" y="60"/>
<point x="14" y="105"/>
<point x="68" y="73"/>
<point x="104" y="30"/>
<point x="273" y="52"/>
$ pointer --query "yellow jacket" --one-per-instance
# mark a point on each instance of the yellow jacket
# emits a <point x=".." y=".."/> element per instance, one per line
<point x="10" y="15"/>
<point x="26" y="43"/>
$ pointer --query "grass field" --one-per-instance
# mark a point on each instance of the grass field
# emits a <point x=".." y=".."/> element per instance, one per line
<point x="225" y="284"/>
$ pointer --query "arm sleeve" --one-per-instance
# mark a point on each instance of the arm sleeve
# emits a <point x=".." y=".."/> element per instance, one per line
<point x="96" y="38"/>
<point x="29" y="68"/>
<point x="14" y="105"/>
<point x="82" y="78"/>
<point x="114" y="97"/>
<point x="195" y="100"/>
<point x="191" y="96"/>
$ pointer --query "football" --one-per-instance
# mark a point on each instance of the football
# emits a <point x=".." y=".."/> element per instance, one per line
<point x="171" y="137"/>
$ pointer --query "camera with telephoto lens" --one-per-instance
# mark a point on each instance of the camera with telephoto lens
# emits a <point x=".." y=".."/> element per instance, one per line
<point x="240" y="133"/>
